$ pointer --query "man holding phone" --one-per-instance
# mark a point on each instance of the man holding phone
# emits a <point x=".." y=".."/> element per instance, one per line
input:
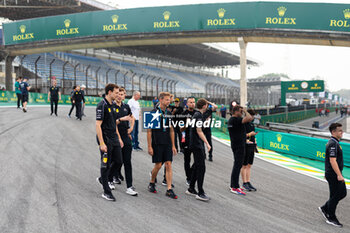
<point x="333" y="172"/>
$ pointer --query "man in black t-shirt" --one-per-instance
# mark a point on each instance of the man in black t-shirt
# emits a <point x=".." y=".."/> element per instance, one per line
<point x="190" y="111"/>
<point x="77" y="98"/>
<point x="161" y="145"/>
<point x="109" y="139"/>
<point x="25" y="95"/>
<point x="71" y="99"/>
<point x="54" y="96"/>
<point x="208" y="114"/>
<point x="238" y="139"/>
<point x="196" y="144"/>
<point x="250" y="148"/>
<point x="333" y="172"/>
<point x="125" y="127"/>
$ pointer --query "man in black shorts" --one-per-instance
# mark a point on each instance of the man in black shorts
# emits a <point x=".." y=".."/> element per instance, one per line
<point x="54" y="96"/>
<point x="238" y="139"/>
<point x="197" y="141"/>
<point x="108" y="139"/>
<point x="250" y="149"/>
<point x="161" y="145"/>
<point x="334" y="164"/>
<point x="125" y="127"/>
<point x="25" y="95"/>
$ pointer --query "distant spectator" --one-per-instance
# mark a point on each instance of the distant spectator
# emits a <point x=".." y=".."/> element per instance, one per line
<point x="135" y="109"/>
<point x="185" y="102"/>
<point x="25" y="95"/>
<point x="257" y="119"/>
<point x="223" y="111"/>
<point x="155" y="101"/>
<point x="18" y="91"/>
<point x="82" y="89"/>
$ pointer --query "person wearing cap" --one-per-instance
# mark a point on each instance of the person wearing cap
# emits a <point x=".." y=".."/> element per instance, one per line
<point x="82" y="89"/>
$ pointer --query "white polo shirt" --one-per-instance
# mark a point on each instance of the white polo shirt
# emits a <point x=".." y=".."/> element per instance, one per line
<point x="135" y="108"/>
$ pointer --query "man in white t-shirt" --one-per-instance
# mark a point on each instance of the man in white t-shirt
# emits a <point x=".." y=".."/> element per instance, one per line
<point x="135" y="109"/>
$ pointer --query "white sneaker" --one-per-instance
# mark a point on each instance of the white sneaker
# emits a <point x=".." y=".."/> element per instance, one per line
<point x="111" y="185"/>
<point x="131" y="191"/>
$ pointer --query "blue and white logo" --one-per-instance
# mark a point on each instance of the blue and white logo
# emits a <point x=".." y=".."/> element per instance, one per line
<point x="151" y="120"/>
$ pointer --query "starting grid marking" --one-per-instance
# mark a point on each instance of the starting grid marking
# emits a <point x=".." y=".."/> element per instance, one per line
<point x="288" y="163"/>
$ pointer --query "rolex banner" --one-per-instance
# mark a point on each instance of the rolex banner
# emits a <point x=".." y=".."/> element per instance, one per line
<point x="302" y="146"/>
<point x="202" y="17"/>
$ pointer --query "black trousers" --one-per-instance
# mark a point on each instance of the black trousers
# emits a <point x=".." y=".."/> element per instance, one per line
<point x="78" y="109"/>
<point x="71" y="109"/>
<point x="238" y="154"/>
<point x="114" y="160"/>
<point x="19" y="99"/>
<point x="126" y="154"/>
<point x="337" y="191"/>
<point x="207" y="134"/>
<point x="187" y="163"/>
<point x="53" y="102"/>
<point x="198" y="170"/>
<point x="178" y="137"/>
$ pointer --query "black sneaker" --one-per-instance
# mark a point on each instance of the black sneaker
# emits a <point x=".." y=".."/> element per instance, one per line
<point x="152" y="188"/>
<point x="210" y="159"/>
<point x="191" y="192"/>
<point x="247" y="187"/>
<point x="202" y="197"/>
<point x="164" y="183"/>
<point x="116" y="180"/>
<point x="108" y="196"/>
<point x="323" y="212"/>
<point x="252" y="188"/>
<point x="99" y="180"/>
<point x="51" y="114"/>
<point x="334" y="222"/>
<point x="121" y="177"/>
<point x="170" y="193"/>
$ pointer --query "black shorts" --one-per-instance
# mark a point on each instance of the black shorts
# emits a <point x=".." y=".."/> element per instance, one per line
<point x="162" y="153"/>
<point x="249" y="154"/>
<point x="24" y="98"/>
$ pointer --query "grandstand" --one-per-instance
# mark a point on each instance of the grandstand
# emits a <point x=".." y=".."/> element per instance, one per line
<point x="94" y="72"/>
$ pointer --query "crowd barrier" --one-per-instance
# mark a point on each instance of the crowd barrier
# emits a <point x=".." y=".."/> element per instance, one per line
<point x="303" y="146"/>
<point x="10" y="97"/>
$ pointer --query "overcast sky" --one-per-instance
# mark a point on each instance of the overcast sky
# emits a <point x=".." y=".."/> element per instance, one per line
<point x="298" y="61"/>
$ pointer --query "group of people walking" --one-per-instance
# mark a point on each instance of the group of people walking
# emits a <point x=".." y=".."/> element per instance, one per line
<point x="115" y="123"/>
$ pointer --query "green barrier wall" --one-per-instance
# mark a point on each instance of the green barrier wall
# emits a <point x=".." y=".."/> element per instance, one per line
<point x="307" y="147"/>
<point x="9" y="97"/>
<point x="292" y="116"/>
<point x="200" y="17"/>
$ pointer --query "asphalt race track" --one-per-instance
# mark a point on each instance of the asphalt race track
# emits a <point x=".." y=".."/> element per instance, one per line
<point x="48" y="167"/>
